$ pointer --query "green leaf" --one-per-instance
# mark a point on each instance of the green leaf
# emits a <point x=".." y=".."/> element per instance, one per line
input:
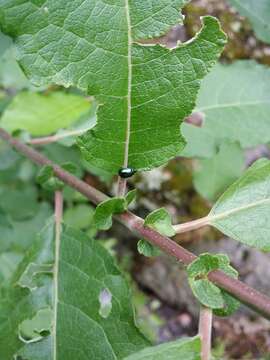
<point x="8" y="156"/>
<point x="5" y="43"/>
<point x="47" y="179"/>
<point x="92" y="302"/>
<point x="204" y="290"/>
<point x="258" y="12"/>
<point x="8" y="265"/>
<point x="32" y="330"/>
<point x="131" y="196"/>
<point x="160" y="220"/>
<point x="153" y="88"/>
<point x="105" y="210"/>
<point x="139" y="88"/>
<point x="186" y="349"/>
<point x="147" y="249"/>
<point x="11" y="75"/>
<point x="43" y="114"/>
<point x="20" y="203"/>
<point x="200" y="142"/>
<point x="154" y="19"/>
<point x="79" y="216"/>
<point x="49" y="182"/>
<point x="21" y="234"/>
<point x="243" y="211"/>
<point x="239" y="111"/>
<point x="203" y="265"/>
<point x="5" y="220"/>
<point x="216" y="174"/>
<point x="45" y="174"/>
<point x="207" y="293"/>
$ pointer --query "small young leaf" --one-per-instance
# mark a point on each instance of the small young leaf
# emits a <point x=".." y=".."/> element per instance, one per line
<point x="47" y="179"/>
<point x="205" y="291"/>
<point x="105" y="211"/>
<point x="50" y="182"/>
<point x="203" y="265"/>
<point x="41" y="114"/>
<point x="147" y="249"/>
<point x="160" y="220"/>
<point x="185" y="349"/>
<point x="45" y="174"/>
<point x="243" y="211"/>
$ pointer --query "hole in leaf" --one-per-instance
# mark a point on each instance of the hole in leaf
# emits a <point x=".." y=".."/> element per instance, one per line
<point x="105" y="301"/>
<point x="32" y="330"/>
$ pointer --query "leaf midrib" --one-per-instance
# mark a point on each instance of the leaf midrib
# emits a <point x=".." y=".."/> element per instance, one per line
<point x="213" y="218"/>
<point x="127" y="140"/>
<point x="240" y="105"/>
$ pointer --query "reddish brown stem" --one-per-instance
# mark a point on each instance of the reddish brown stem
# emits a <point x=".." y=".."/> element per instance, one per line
<point x="247" y="295"/>
<point x="121" y="186"/>
<point x="58" y="214"/>
<point x="205" y="331"/>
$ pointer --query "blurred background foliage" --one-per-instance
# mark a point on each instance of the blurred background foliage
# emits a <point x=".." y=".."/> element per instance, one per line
<point x="228" y="131"/>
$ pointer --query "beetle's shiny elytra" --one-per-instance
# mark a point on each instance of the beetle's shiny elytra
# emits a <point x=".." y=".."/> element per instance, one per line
<point x="126" y="173"/>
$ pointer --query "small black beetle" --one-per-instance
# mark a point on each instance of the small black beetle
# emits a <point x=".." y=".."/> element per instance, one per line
<point x="126" y="173"/>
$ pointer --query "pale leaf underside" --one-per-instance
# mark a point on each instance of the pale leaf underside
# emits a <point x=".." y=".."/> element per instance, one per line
<point x="258" y="12"/>
<point x="242" y="212"/>
<point x="235" y="103"/>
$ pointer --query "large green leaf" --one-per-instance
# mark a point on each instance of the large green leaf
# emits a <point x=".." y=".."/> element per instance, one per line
<point x="144" y="91"/>
<point x="243" y="211"/>
<point x="43" y="114"/>
<point x="92" y="315"/>
<point x="258" y="12"/>
<point x="186" y="349"/>
<point x="239" y="109"/>
<point x="18" y="304"/>
<point x="214" y="175"/>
